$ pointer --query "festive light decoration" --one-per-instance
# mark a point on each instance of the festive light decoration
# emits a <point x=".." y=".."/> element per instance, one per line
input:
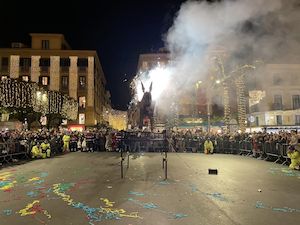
<point x="255" y="96"/>
<point x="73" y="77"/>
<point x="14" y="66"/>
<point x="35" y="68"/>
<point x="241" y="101"/>
<point x="225" y="93"/>
<point x="19" y="94"/>
<point x="90" y="82"/>
<point x="54" y="73"/>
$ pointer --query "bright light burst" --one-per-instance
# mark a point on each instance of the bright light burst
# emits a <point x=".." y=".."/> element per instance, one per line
<point x="160" y="78"/>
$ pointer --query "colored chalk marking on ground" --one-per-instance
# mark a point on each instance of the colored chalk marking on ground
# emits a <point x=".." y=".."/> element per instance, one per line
<point x="93" y="214"/>
<point x="7" y="212"/>
<point x="261" y="205"/>
<point x="34" y="208"/>
<point x="194" y="188"/>
<point x="152" y="206"/>
<point x="217" y="196"/>
<point x="32" y="194"/>
<point x="6" y="181"/>
<point x="285" y="172"/>
<point x="164" y="182"/>
<point x="39" y="181"/>
<point x="33" y="179"/>
<point x="43" y="174"/>
<point x="136" y="193"/>
<point x="179" y="216"/>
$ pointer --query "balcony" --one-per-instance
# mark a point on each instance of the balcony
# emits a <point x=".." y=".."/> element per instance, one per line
<point x="44" y="69"/>
<point x="24" y="69"/>
<point x="277" y="106"/>
<point x="64" y="69"/>
<point x="82" y="69"/>
<point x="4" y="69"/>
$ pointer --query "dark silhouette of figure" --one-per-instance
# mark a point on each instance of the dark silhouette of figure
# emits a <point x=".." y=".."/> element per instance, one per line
<point x="146" y="109"/>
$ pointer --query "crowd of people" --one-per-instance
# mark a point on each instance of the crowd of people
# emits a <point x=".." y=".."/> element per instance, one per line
<point x="44" y="143"/>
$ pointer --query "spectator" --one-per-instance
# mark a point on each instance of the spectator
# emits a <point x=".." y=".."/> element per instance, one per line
<point x="208" y="146"/>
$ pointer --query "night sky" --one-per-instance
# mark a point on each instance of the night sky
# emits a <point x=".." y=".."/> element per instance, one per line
<point x="118" y="30"/>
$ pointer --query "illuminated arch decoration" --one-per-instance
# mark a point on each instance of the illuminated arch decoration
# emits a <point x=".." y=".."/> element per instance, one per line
<point x="20" y="94"/>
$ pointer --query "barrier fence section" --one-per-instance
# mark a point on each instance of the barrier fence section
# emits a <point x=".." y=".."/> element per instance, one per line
<point x="11" y="150"/>
<point x="159" y="142"/>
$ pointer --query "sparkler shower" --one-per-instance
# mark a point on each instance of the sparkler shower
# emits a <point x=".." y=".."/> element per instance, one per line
<point x="246" y="29"/>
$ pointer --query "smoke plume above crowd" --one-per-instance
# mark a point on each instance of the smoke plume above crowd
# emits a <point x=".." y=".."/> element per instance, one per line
<point x="246" y="29"/>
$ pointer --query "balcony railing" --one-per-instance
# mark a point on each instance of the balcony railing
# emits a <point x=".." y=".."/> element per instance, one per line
<point x="277" y="106"/>
<point x="24" y="69"/>
<point x="4" y="69"/>
<point x="64" y="69"/>
<point x="82" y="69"/>
<point x="44" y="69"/>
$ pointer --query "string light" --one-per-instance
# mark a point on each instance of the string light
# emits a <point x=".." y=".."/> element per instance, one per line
<point x="241" y="101"/>
<point x="14" y="94"/>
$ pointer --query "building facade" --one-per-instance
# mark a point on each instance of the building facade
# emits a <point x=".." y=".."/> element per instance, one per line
<point x="51" y="62"/>
<point x="276" y="95"/>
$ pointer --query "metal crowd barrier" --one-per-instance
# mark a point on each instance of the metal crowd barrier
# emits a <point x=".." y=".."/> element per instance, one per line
<point x="283" y="153"/>
<point x="10" y="150"/>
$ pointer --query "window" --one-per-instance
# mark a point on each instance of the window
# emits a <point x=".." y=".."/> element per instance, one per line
<point x="4" y="61"/>
<point x="277" y="102"/>
<point x="82" y="82"/>
<point x="3" y="77"/>
<point x="44" y="62"/>
<point x="82" y="62"/>
<point x="277" y="79"/>
<point x="297" y="120"/>
<point x="45" y="80"/>
<point x="82" y="102"/>
<point x="279" y="119"/>
<point x="257" y="121"/>
<point x="296" y="101"/>
<point x="81" y="118"/>
<point x="64" y="62"/>
<point x="25" y="78"/>
<point x="25" y="62"/>
<point x="145" y="65"/>
<point x="64" y="82"/>
<point x="45" y="44"/>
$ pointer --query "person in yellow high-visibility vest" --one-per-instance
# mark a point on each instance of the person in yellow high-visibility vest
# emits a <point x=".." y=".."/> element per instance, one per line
<point x="35" y="151"/>
<point x="294" y="155"/>
<point x="208" y="146"/>
<point x="46" y="150"/>
<point x="66" y="139"/>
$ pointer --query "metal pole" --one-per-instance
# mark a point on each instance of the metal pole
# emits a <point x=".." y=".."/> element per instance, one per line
<point x="166" y="168"/>
<point x="122" y="175"/>
<point x="128" y="159"/>
<point x="208" y="115"/>
<point x="166" y="165"/>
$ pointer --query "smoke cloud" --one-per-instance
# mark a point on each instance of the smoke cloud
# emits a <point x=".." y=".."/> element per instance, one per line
<point x="246" y="29"/>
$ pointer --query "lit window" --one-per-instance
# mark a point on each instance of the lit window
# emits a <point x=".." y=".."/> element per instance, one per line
<point x="279" y="119"/>
<point x="82" y="82"/>
<point x="297" y="120"/>
<point x="64" y="82"/>
<point x="25" y="78"/>
<point x="3" y="77"/>
<point x="296" y="101"/>
<point x="45" y="44"/>
<point x="82" y="102"/>
<point x="81" y="118"/>
<point x="45" y="81"/>
<point x="145" y="65"/>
